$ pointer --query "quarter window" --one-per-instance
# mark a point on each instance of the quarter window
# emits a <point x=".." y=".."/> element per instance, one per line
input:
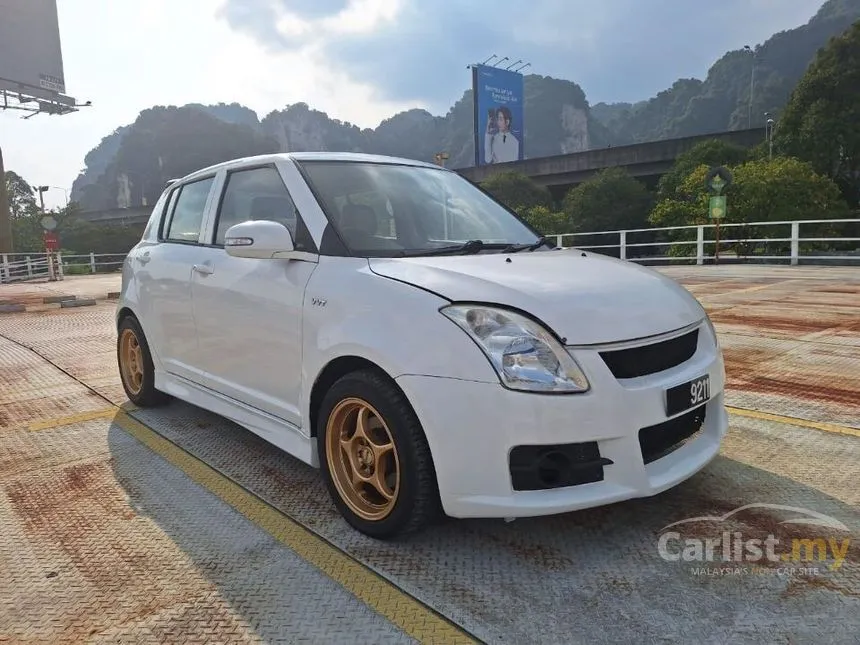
<point x="188" y="213"/>
<point x="255" y="194"/>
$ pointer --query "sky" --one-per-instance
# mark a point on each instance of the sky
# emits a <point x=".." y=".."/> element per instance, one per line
<point x="360" y="60"/>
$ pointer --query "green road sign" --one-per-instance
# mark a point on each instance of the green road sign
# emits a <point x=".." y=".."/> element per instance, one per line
<point x="717" y="208"/>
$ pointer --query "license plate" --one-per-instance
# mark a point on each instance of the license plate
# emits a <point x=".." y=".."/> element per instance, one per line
<point x="688" y="395"/>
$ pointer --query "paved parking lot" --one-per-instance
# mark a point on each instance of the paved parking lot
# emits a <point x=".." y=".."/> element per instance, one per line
<point x="174" y="525"/>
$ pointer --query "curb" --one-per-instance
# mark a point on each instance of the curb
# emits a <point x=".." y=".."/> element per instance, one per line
<point x="85" y="302"/>
<point x="48" y="300"/>
<point x="49" y="303"/>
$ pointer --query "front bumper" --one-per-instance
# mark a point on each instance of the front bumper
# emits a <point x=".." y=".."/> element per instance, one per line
<point x="473" y="427"/>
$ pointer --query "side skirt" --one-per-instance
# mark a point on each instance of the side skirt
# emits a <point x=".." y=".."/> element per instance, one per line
<point x="276" y="431"/>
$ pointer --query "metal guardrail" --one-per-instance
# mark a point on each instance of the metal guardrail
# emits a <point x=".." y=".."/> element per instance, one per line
<point x="699" y="242"/>
<point x="690" y="244"/>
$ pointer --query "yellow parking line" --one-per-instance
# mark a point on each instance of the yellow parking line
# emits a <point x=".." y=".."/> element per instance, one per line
<point x="50" y="424"/>
<point x="401" y="609"/>
<point x="804" y="423"/>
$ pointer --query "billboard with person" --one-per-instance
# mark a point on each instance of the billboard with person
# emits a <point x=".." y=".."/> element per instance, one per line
<point x="499" y="126"/>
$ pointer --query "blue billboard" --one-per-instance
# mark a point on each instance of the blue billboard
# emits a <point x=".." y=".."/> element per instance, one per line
<point x="499" y="125"/>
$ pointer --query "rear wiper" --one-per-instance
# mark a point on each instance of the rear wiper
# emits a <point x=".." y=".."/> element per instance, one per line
<point x="513" y="248"/>
<point x="472" y="246"/>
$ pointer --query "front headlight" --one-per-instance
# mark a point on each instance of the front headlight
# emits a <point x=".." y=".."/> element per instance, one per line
<point x="525" y="355"/>
<point x="712" y="328"/>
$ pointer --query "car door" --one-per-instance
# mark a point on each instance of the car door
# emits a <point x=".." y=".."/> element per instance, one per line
<point x="248" y="312"/>
<point x="163" y="269"/>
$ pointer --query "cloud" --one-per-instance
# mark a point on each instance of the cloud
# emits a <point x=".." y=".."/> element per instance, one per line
<point x="313" y="8"/>
<point x="302" y="24"/>
<point x="417" y="50"/>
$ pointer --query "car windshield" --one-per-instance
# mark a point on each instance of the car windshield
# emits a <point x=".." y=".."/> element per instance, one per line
<point x="390" y="210"/>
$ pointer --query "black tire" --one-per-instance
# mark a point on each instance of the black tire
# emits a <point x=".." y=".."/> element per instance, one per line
<point x="417" y="502"/>
<point x="146" y="396"/>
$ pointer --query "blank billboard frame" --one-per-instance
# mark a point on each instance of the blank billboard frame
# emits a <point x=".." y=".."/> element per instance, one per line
<point x="31" y="59"/>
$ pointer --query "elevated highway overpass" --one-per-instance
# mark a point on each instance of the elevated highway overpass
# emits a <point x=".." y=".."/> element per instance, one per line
<point x="646" y="161"/>
<point x="121" y="216"/>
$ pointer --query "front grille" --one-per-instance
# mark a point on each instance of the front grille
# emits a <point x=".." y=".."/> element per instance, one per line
<point x="653" y="358"/>
<point x="659" y="440"/>
<point x="555" y="466"/>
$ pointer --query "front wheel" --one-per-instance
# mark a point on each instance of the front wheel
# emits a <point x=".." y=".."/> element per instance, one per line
<point x="136" y="370"/>
<point x="375" y="458"/>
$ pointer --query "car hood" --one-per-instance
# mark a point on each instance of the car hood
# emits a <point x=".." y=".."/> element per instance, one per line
<point x="585" y="298"/>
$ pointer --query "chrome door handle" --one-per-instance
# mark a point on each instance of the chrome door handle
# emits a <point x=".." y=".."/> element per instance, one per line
<point x="203" y="269"/>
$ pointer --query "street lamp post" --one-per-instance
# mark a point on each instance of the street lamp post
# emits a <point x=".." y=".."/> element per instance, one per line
<point x="65" y="193"/>
<point x="752" y="84"/>
<point x="769" y="126"/>
<point x="42" y="190"/>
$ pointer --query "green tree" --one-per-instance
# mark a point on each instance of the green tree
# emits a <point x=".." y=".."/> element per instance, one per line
<point x="517" y="191"/>
<point x="688" y="203"/>
<point x="821" y="123"/>
<point x="546" y="221"/>
<point x="610" y="200"/>
<point x="712" y="152"/>
<point x="79" y="237"/>
<point x="782" y="189"/>
<point x="22" y="200"/>
<point x="27" y="233"/>
<point x="76" y="236"/>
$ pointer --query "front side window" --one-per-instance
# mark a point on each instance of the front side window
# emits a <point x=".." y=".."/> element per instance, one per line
<point x="393" y="210"/>
<point x="255" y="194"/>
<point x="187" y="214"/>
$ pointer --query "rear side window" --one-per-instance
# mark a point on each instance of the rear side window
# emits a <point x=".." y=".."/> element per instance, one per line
<point x="187" y="214"/>
<point x="166" y="210"/>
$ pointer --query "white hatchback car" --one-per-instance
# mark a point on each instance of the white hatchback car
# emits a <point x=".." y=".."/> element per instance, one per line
<point x="389" y="322"/>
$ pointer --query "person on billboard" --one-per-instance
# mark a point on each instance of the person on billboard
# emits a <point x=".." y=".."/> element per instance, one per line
<point x="500" y="145"/>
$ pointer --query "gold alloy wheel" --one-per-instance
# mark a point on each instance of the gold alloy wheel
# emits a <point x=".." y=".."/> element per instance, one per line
<point x="131" y="361"/>
<point x="362" y="459"/>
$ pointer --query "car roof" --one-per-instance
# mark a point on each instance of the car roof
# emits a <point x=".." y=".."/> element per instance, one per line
<point x="307" y="156"/>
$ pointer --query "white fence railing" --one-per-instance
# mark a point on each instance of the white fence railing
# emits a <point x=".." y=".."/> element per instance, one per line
<point x="18" y="267"/>
<point x="736" y="241"/>
<point x="15" y="267"/>
<point x="92" y="262"/>
<point x="800" y="240"/>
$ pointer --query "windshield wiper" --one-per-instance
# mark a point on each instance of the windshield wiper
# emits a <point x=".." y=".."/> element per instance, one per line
<point x="472" y="246"/>
<point x="513" y="248"/>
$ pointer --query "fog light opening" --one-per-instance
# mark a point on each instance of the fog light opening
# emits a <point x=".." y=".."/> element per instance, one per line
<point x="552" y="468"/>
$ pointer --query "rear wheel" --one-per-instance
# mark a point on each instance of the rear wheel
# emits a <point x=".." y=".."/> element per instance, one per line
<point x="136" y="370"/>
<point x="375" y="458"/>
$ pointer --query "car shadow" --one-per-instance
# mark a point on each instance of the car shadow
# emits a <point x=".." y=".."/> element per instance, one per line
<point x="561" y="578"/>
<point x="194" y="564"/>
